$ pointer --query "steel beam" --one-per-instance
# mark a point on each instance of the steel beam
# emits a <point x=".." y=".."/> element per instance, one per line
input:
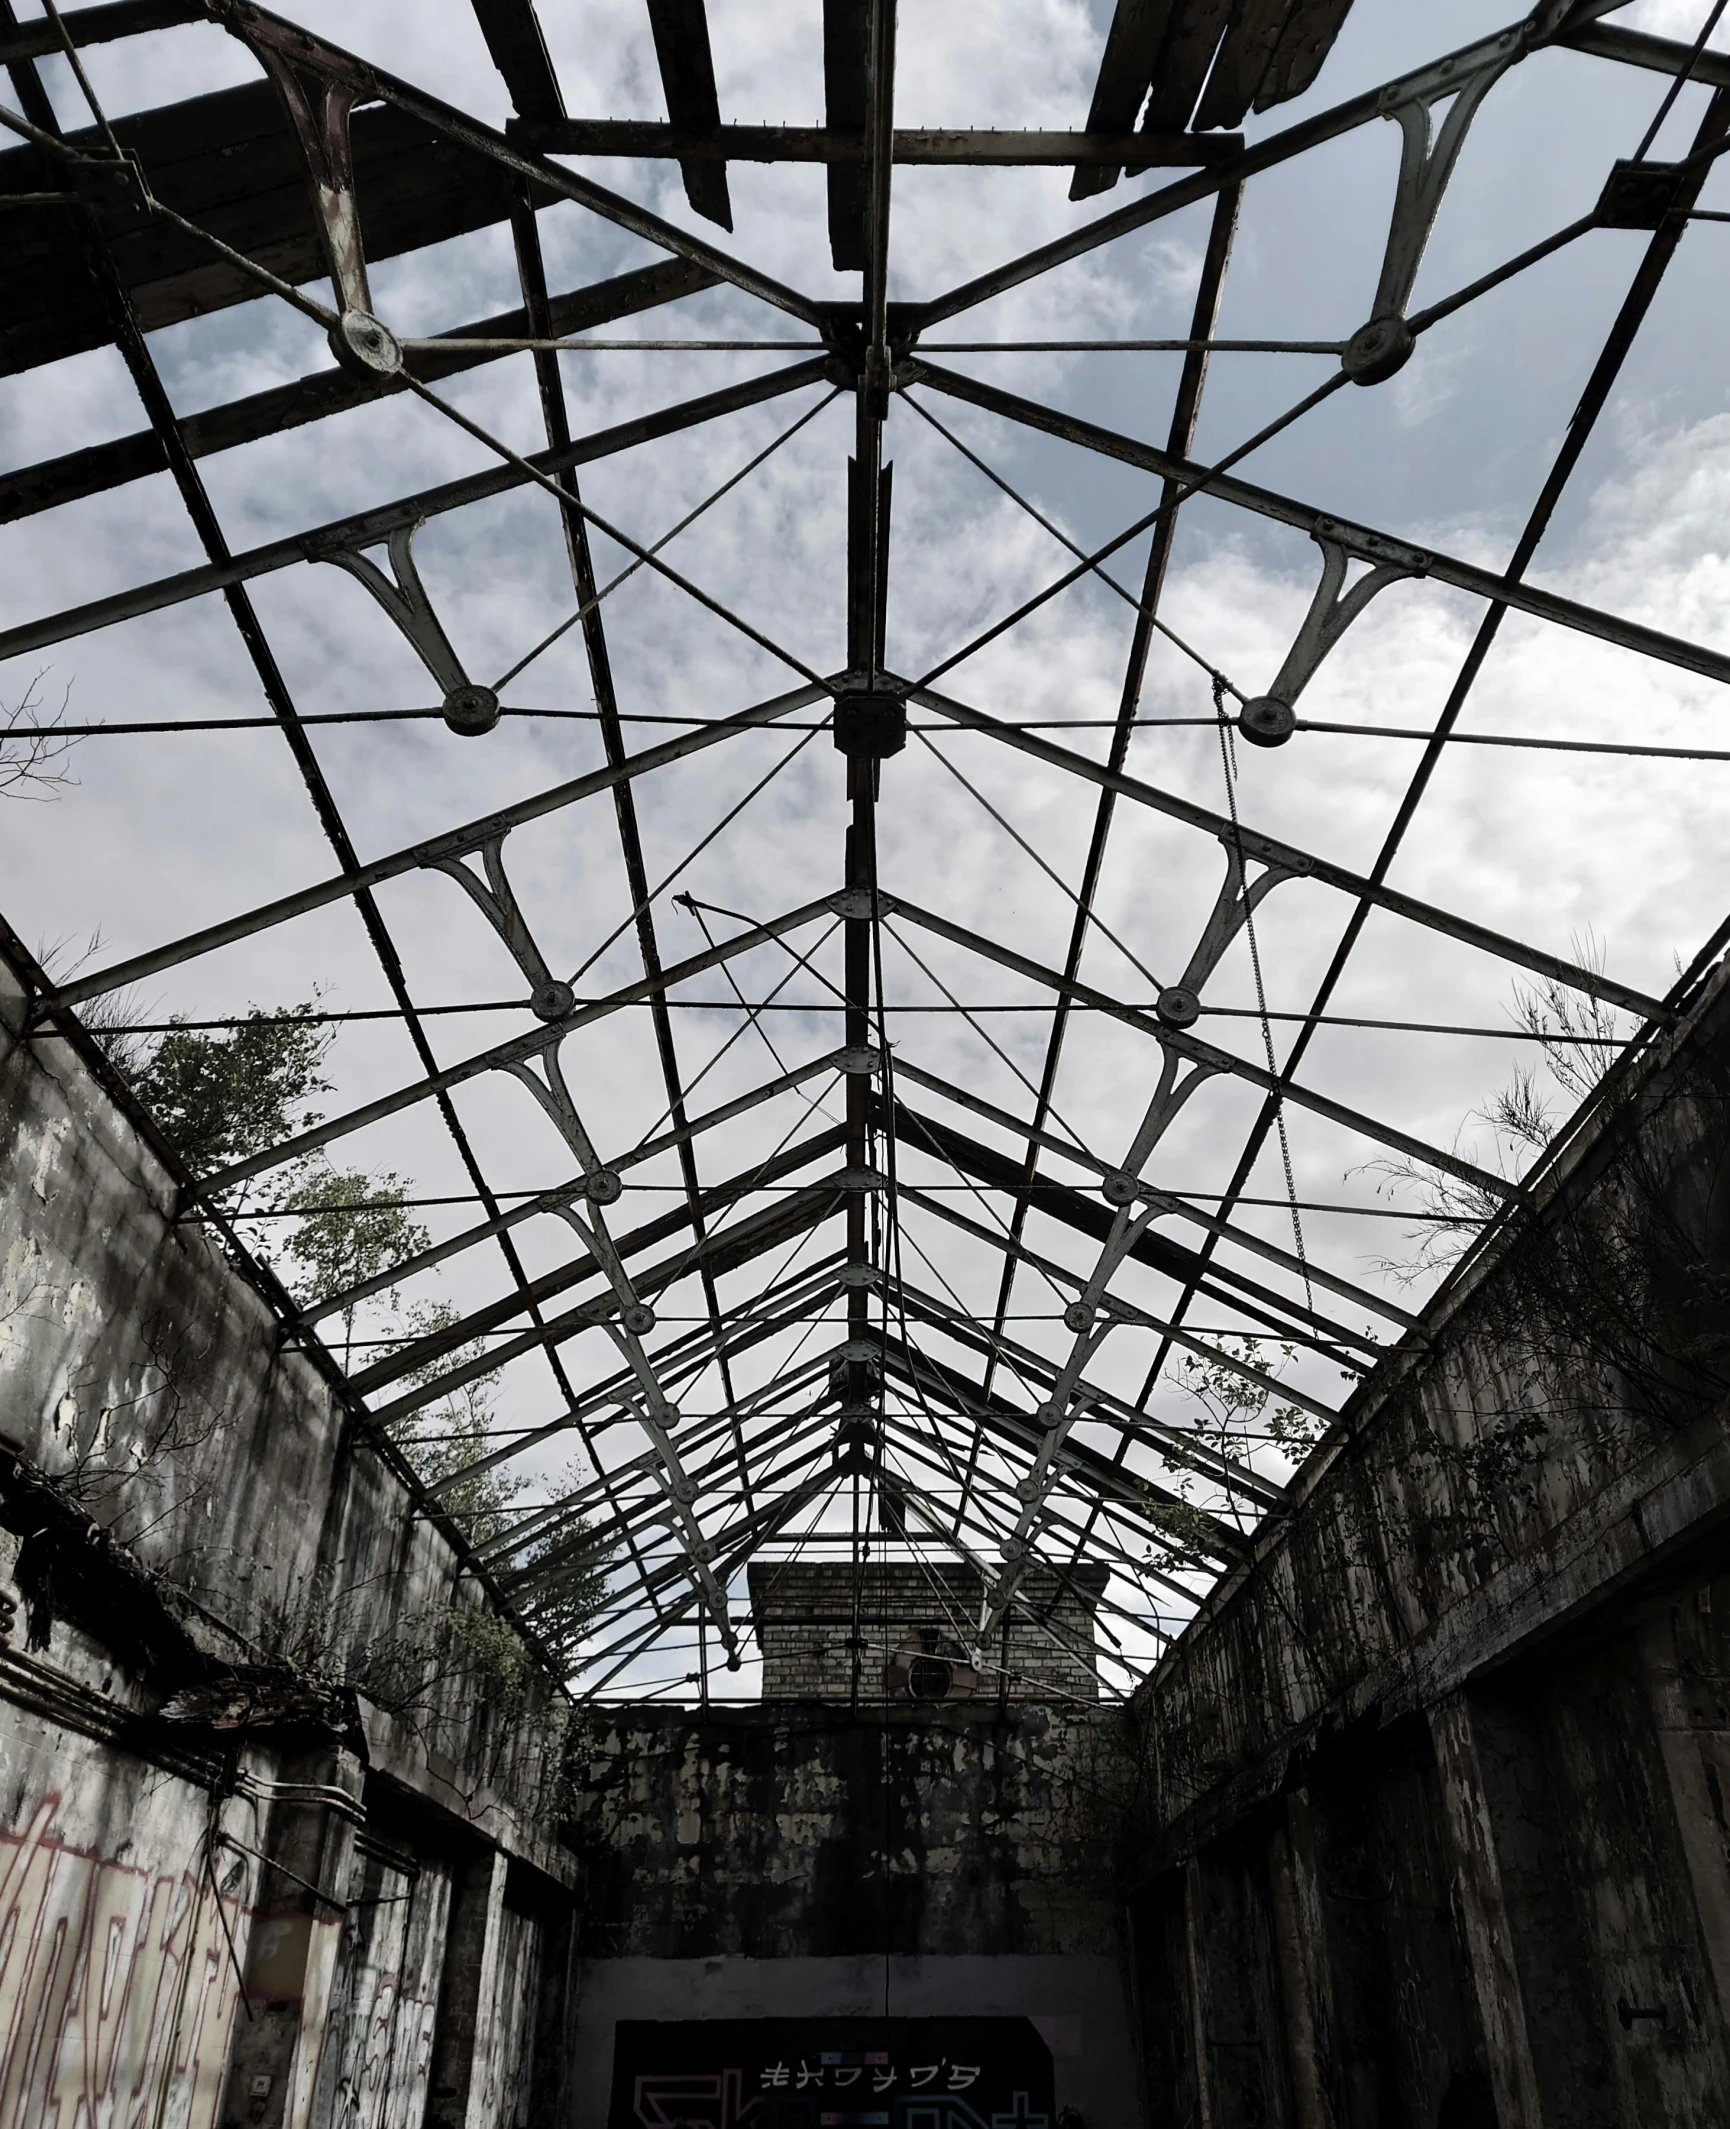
<point x="1093" y="1404"/>
<point x="490" y="1316"/>
<point x="1179" y="1042"/>
<point x="242" y="15"/>
<point x="519" y="1050"/>
<point x="1359" y="541"/>
<point x="1085" y="1465"/>
<point x="453" y="843"/>
<point x="1177" y="1207"/>
<point x="724" y="1248"/>
<point x="1269" y="850"/>
<point x="957" y="147"/>
<point x="1266" y="154"/>
<point x="367" y="528"/>
<point x="1085" y="1215"/>
<point x="100" y="467"/>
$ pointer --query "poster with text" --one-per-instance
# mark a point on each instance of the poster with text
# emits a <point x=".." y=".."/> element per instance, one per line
<point x="831" y="2073"/>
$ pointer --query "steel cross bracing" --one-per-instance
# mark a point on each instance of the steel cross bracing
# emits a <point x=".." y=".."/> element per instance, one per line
<point x="972" y="1287"/>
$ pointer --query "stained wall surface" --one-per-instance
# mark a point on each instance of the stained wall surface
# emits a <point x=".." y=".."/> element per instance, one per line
<point x="262" y="1862"/>
<point x="1434" y="1813"/>
<point x="809" y="1616"/>
<point x="792" y="1861"/>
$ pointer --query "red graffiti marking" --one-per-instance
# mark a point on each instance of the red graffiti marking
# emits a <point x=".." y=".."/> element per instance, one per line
<point x="116" y="1991"/>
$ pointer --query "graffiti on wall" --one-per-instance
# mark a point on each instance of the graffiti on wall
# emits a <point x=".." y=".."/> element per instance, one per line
<point x="117" y="1991"/>
<point x="378" y="2056"/>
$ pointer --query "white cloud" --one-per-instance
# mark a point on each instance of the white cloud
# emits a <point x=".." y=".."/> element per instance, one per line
<point x="163" y="834"/>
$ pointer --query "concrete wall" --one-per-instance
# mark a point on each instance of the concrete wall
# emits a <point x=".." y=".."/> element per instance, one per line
<point x="1434" y="1791"/>
<point x="262" y="1860"/>
<point x="807" y="1621"/>
<point x="783" y="1861"/>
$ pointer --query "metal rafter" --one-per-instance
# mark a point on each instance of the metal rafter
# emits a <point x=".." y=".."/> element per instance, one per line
<point x="779" y="1442"/>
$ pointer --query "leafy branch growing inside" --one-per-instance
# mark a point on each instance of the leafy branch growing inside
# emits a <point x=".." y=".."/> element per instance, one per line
<point x="225" y="1095"/>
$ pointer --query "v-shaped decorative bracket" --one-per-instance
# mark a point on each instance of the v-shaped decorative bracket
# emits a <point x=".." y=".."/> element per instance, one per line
<point x="1427" y="158"/>
<point x="1269" y="720"/>
<point x="318" y="90"/>
<point x="468" y="708"/>
<point x="550" y="998"/>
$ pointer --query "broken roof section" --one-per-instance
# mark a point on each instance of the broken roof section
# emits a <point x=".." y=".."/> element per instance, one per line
<point x="871" y="1092"/>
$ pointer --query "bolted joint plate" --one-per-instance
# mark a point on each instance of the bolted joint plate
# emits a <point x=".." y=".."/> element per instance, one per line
<point x="553" y="1000"/>
<point x="1378" y="350"/>
<point x="471" y="710"/>
<point x="869" y="724"/>
<point x="1265" y="721"/>
<point x="364" y="346"/>
<point x="1638" y="195"/>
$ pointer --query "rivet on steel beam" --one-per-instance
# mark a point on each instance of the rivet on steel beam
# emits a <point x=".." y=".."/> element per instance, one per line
<point x="1265" y="721"/>
<point x="553" y="1001"/>
<point x="360" y="342"/>
<point x="471" y="710"/>
<point x="1377" y="350"/>
<point x="1638" y="195"/>
<point x="860" y="1061"/>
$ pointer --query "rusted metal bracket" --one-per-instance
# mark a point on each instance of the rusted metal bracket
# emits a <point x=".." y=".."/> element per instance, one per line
<point x="318" y="89"/>
<point x="1427" y="158"/>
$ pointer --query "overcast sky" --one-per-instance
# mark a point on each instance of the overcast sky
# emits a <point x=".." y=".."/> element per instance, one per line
<point x="1577" y="853"/>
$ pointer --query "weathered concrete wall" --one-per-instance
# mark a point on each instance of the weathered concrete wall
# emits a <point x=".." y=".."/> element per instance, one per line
<point x="779" y="1861"/>
<point x="265" y="1858"/>
<point x="808" y="1616"/>
<point x="778" y="1831"/>
<point x="1434" y="1790"/>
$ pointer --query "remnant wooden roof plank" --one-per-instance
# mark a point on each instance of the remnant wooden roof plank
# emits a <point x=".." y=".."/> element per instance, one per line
<point x="1132" y="48"/>
<point x="1304" y="43"/>
<point x="681" y="32"/>
<point x="519" y="51"/>
<point x="846" y="104"/>
<point x="1246" y="51"/>
<point x="1184" y="59"/>
<point x="229" y="162"/>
